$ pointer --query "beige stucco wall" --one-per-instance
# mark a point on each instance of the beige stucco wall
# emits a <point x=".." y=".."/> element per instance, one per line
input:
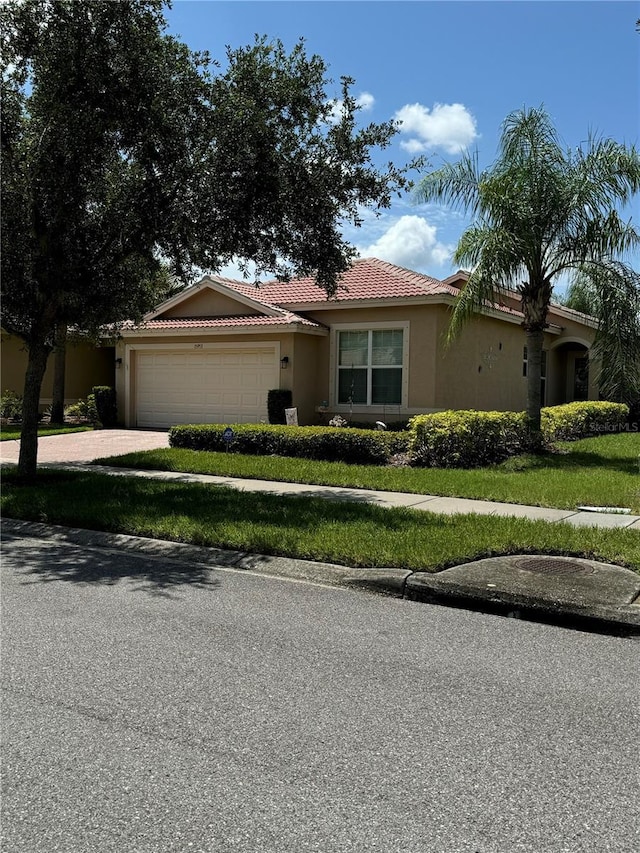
<point x="307" y="373"/>
<point x="209" y="303"/>
<point x="86" y="366"/>
<point x="482" y="369"/>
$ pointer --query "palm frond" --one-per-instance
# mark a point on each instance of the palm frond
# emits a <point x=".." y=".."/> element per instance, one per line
<point x="489" y="252"/>
<point x="528" y="136"/>
<point x="454" y="183"/>
<point x="606" y="174"/>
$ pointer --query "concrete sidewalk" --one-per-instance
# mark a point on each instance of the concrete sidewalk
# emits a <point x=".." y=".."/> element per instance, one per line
<point x="427" y="503"/>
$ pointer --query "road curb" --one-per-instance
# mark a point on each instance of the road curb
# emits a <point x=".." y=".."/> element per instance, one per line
<point x="425" y="587"/>
<point x="387" y="581"/>
<point x="432" y="588"/>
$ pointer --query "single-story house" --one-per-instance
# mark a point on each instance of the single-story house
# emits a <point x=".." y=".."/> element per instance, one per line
<point x="374" y="351"/>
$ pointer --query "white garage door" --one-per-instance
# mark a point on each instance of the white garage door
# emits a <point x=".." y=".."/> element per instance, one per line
<point x="203" y="386"/>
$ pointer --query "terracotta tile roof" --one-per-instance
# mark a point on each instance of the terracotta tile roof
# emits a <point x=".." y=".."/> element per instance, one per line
<point x="286" y="318"/>
<point x="368" y="278"/>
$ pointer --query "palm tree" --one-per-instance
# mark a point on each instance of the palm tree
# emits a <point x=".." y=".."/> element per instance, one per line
<point x="538" y="211"/>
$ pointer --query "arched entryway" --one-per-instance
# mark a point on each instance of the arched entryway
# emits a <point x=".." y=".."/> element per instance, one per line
<point x="568" y="373"/>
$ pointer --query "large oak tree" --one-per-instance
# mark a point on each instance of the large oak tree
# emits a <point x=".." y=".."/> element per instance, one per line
<point x="123" y="150"/>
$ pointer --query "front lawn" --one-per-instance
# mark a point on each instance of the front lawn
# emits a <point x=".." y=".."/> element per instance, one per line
<point x="12" y="432"/>
<point x="355" y="534"/>
<point x="600" y="471"/>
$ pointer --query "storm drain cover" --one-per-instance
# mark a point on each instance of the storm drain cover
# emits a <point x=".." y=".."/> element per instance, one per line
<point x="549" y="566"/>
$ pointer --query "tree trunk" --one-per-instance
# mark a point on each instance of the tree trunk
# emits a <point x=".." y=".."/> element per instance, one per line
<point x="535" y="338"/>
<point x="36" y="366"/>
<point x="60" y="352"/>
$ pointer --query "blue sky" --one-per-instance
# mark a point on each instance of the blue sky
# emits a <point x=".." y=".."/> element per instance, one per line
<point x="451" y="71"/>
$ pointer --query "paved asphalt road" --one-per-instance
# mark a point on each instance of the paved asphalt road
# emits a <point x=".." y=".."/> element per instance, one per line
<point x="151" y="706"/>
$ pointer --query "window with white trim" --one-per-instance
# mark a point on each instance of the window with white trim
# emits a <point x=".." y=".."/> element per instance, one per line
<point x="370" y="366"/>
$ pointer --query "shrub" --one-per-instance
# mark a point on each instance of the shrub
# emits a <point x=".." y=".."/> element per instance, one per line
<point x="466" y="439"/>
<point x="278" y="399"/>
<point x="105" y="403"/>
<point x="581" y="419"/>
<point x="11" y="405"/>
<point x="83" y="410"/>
<point x="330" y="444"/>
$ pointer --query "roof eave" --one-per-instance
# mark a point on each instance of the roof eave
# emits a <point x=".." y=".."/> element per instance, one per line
<point x="378" y="302"/>
<point x="193" y="331"/>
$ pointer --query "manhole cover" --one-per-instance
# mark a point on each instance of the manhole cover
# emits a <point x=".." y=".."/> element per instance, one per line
<point x="549" y="566"/>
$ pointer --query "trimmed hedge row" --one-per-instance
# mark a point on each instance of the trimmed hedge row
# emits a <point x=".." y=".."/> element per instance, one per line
<point x="454" y="439"/>
<point x="579" y="420"/>
<point x="466" y="439"/>
<point x="331" y="444"/>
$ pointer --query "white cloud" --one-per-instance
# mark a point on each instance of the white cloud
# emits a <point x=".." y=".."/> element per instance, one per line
<point x="410" y="242"/>
<point x="365" y="101"/>
<point x="448" y="126"/>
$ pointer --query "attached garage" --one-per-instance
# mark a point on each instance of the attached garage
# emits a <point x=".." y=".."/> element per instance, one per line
<point x="203" y="384"/>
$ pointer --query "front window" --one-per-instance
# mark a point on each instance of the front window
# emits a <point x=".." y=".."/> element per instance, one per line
<point x="370" y="367"/>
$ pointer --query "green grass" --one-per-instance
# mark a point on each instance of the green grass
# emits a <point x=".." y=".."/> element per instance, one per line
<point x="12" y="432"/>
<point x="600" y="471"/>
<point x="355" y="534"/>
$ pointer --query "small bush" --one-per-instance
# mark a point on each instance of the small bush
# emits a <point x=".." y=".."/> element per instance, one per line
<point x="11" y="406"/>
<point x="329" y="444"/>
<point x="105" y="403"/>
<point x="583" y="419"/>
<point x="278" y="399"/>
<point x="83" y="410"/>
<point x="466" y="439"/>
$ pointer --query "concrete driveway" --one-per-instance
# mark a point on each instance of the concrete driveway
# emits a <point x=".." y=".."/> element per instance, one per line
<point x="87" y="446"/>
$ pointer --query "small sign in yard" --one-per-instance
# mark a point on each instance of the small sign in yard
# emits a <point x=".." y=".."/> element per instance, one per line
<point x="291" y="416"/>
<point x="227" y="437"/>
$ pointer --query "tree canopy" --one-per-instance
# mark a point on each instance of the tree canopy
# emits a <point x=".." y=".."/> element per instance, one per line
<point x="538" y="211"/>
<point x="124" y="151"/>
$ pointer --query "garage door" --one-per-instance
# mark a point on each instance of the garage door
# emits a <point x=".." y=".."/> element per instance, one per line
<point x="203" y="386"/>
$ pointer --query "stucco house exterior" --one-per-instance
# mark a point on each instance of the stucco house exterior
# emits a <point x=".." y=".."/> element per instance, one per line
<point x="86" y="365"/>
<point x="375" y="351"/>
